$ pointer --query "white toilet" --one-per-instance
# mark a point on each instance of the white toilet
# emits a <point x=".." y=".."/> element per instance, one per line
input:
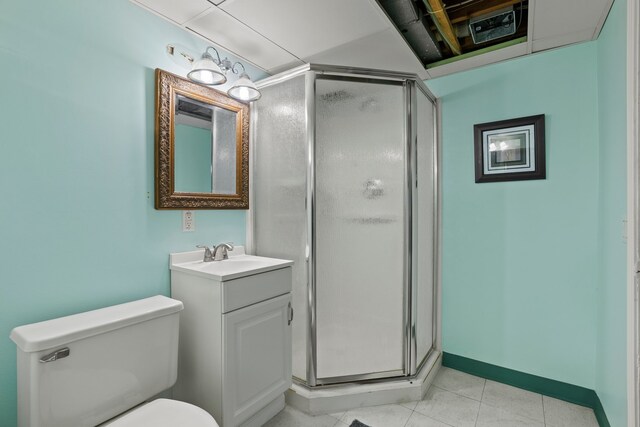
<point x="99" y="367"/>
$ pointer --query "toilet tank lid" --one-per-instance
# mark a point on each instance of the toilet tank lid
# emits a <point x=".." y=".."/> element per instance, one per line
<point x="56" y="332"/>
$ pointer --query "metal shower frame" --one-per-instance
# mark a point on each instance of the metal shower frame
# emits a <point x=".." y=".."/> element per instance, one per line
<point x="411" y="83"/>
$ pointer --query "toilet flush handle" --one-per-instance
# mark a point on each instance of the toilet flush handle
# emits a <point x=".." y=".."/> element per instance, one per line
<point x="58" y="354"/>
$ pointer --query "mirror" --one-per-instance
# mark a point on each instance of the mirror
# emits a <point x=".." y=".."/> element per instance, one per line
<point x="202" y="147"/>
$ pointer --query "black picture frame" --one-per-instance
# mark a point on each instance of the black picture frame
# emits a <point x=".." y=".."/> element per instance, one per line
<point x="510" y="150"/>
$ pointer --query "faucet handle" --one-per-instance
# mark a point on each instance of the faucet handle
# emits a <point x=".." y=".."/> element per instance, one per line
<point x="208" y="255"/>
<point x="225" y="247"/>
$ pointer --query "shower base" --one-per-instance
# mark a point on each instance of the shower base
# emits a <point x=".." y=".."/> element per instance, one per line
<point x="342" y="397"/>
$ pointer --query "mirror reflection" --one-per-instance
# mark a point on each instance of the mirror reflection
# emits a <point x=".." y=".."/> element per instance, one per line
<point x="205" y="147"/>
<point x="201" y="147"/>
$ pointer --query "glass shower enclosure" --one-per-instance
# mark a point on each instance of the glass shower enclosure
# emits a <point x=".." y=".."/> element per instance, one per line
<point x="345" y="184"/>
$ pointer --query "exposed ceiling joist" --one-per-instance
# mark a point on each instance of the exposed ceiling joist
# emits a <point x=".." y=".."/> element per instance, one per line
<point x="443" y="24"/>
<point x="483" y="11"/>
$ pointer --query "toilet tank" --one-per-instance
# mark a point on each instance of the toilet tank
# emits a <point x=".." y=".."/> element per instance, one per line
<point x="118" y="357"/>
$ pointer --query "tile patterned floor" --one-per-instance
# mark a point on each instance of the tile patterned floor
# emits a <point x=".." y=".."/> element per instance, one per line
<point x="456" y="399"/>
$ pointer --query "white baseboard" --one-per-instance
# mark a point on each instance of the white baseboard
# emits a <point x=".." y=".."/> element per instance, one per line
<point x="261" y="417"/>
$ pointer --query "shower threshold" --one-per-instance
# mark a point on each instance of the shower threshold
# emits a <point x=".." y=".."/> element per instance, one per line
<point x="341" y="397"/>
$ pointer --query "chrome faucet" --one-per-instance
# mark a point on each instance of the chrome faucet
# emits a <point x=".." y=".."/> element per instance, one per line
<point x="224" y="255"/>
<point x="208" y="255"/>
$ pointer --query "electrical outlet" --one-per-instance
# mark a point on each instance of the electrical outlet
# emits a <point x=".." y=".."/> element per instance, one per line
<point x="188" y="221"/>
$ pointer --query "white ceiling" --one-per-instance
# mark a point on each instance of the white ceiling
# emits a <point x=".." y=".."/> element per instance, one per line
<point x="306" y="28"/>
<point x="235" y="36"/>
<point x="276" y="35"/>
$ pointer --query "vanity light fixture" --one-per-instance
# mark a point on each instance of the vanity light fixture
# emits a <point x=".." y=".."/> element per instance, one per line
<point x="212" y="71"/>
<point x="244" y="89"/>
<point x="206" y="70"/>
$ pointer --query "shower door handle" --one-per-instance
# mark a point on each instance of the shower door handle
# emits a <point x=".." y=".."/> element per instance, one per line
<point x="290" y="314"/>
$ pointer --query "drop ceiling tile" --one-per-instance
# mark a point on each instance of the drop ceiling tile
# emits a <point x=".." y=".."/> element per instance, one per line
<point x="234" y="36"/>
<point x="553" y="18"/>
<point x="307" y="27"/>
<point x="562" y="40"/>
<point x="177" y="11"/>
<point x="385" y="50"/>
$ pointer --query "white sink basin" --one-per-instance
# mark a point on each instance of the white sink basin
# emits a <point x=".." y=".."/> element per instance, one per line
<point x="238" y="265"/>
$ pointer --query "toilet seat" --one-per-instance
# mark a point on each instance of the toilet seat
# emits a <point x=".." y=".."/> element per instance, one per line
<point x="164" y="413"/>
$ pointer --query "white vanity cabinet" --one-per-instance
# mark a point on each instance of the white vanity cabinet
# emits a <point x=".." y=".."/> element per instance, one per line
<point x="234" y="356"/>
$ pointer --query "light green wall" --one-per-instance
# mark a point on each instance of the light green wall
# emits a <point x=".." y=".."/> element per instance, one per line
<point x="611" y="353"/>
<point x="192" y="157"/>
<point x="520" y="258"/>
<point x="78" y="229"/>
<point x="534" y="273"/>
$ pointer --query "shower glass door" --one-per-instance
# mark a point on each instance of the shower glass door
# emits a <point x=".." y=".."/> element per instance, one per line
<point x="360" y="229"/>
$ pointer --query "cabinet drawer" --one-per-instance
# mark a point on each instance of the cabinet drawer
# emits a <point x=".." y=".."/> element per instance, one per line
<point x="249" y="290"/>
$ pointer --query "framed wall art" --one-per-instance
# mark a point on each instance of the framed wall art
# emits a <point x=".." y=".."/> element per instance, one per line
<point x="510" y="150"/>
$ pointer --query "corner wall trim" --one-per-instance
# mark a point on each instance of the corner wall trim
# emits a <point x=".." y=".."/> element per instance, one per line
<point x="552" y="388"/>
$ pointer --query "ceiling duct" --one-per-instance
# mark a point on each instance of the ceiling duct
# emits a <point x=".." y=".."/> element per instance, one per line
<point x="401" y="11"/>
<point x="414" y="28"/>
<point x="421" y="40"/>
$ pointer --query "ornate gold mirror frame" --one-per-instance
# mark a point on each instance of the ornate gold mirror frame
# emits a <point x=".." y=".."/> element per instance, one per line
<point x="167" y="87"/>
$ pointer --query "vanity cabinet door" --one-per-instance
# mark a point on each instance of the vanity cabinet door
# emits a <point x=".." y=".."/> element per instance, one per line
<point x="257" y="357"/>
